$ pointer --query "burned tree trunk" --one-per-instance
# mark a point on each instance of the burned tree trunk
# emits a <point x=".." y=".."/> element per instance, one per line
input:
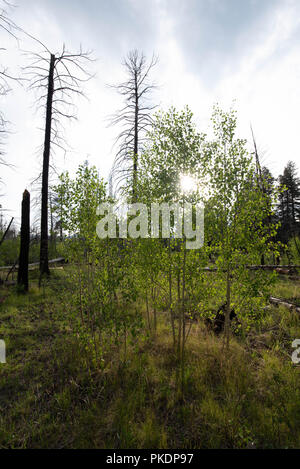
<point x="6" y="231"/>
<point x="25" y="240"/>
<point x="60" y="76"/>
<point x="44" y="267"/>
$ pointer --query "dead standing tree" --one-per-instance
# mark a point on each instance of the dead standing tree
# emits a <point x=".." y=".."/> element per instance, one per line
<point x="25" y="240"/>
<point x="134" y="117"/>
<point x="264" y="182"/>
<point x="9" y="27"/>
<point x="60" y="77"/>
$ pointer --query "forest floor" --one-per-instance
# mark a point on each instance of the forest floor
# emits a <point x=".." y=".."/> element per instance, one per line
<point x="49" y="397"/>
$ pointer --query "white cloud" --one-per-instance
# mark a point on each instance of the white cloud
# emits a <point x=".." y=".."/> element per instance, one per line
<point x="262" y="74"/>
<point x="264" y="83"/>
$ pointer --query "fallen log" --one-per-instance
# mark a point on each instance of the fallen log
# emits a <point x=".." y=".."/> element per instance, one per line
<point x="272" y="267"/>
<point x="59" y="260"/>
<point x="286" y="303"/>
<point x="280" y="269"/>
<point x="294" y="277"/>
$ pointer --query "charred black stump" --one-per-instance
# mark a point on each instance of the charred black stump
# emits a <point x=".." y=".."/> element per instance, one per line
<point x="218" y="323"/>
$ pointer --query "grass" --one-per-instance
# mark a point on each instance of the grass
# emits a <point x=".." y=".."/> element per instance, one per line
<point x="287" y="289"/>
<point x="54" y="395"/>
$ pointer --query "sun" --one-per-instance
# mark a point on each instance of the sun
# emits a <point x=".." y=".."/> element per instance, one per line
<point x="187" y="183"/>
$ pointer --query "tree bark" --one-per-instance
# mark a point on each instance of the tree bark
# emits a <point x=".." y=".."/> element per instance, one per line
<point x="25" y="240"/>
<point x="44" y="267"/>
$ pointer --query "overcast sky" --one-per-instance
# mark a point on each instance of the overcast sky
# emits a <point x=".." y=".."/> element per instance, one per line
<point x="209" y="51"/>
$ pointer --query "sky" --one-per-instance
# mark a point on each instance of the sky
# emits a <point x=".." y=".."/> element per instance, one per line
<point x="210" y="51"/>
